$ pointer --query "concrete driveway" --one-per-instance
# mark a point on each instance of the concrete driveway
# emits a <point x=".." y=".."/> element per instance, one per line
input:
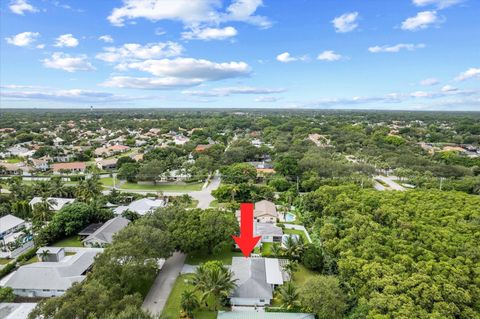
<point x="390" y="181"/>
<point x="161" y="288"/>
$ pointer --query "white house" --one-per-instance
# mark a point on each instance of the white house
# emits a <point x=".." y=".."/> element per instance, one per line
<point x="55" y="203"/>
<point x="52" y="278"/>
<point x="104" y="235"/>
<point x="141" y="206"/>
<point x="256" y="279"/>
<point x="13" y="241"/>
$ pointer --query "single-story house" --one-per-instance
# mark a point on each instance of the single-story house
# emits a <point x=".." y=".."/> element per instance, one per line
<point x="141" y="206"/>
<point x="256" y="279"/>
<point x="56" y="203"/>
<point x="39" y="164"/>
<point x="10" y="224"/>
<point x="104" y="235"/>
<point x="13" y="240"/>
<point x="263" y="315"/>
<point x="270" y="232"/>
<point x="52" y="278"/>
<point x="15" y="169"/>
<point x="73" y="167"/>
<point x="107" y="164"/>
<point x="90" y="229"/>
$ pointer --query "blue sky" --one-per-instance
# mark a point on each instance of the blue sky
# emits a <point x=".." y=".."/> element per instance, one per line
<point x="351" y="54"/>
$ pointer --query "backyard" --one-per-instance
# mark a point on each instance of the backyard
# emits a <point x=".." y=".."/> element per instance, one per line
<point x="72" y="241"/>
<point x="225" y="256"/>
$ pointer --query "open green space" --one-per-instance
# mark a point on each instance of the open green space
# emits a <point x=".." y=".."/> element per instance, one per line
<point x="107" y="181"/>
<point x="172" y="307"/>
<point x="13" y="160"/>
<point x="72" y="241"/>
<point x="165" y="187"/>
<point x="225" y="255"/>
<point x="296" y="232"/>
<point x="4" y="261"/>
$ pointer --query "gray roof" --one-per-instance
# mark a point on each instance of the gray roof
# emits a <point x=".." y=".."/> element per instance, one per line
<point x="57" y="204"/>
<point x="251" y="278"/>
<point x="267" y="229"/>
<point x="51" y="250"/>
<point x="262" y="315"/>
<point x="105" y="233"/>
<point x="15" y="310"/>
<point x="54" y="275"/>
<point x="8" y="222"/>
<point x="141" y="206"/>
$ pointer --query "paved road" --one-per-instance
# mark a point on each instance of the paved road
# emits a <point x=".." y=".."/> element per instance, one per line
<point x="161" y="288"/>
<point x="390" y="181"/>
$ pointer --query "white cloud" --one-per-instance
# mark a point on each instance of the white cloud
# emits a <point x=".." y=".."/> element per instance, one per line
<point x="329" y="56"/>
<point x="422" y="20"/>
<point x="23" y="39"/>
<point x="106" y="38"/>
<point x="440" y="4"/>
<point x="40" y="46"/>
<point x="210" y="33"/>
<point x="189" y="12"/>
<point x="134" y="51"/>
<point x="346" y="22"/>
<point x="72" y="96"/>
<point x="285" y="57"/>
<point x="62" y="61"/>
<point x="267" y="99"/>
<point x="420" y="94"/>
<point x="21" y="6"/>
<point x="396" y="48"/>
<point x="149" y="83"/>
<point x="178" y="72"/>
<point x="227" y="91"/>
<point x="429" y="82"/>
<point x="469" y="74"/>
<point x="66" y="40"/>
<point x="449" y="88"/>
<point x="191" y="68"/>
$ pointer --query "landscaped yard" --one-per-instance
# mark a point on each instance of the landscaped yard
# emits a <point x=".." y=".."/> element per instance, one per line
<point x="107" y="181"/>
<point x="224" y="256"/>
<point x="13" y="160"/>
<point x="72" y="241"/>
<point x="164" y="187"/>
<point x="296" y="232"/>
<point x="172" y="307"/>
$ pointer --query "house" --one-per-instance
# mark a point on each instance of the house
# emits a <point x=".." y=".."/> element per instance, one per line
<point x="256" y="279"/>
<point x="15" y="169"/>
<point x="19" y="151"/>
<point x="104" y="235"/>
<point x="111" y="150"/>
<point x="39" y="164"/>
<point x="202" y="147"/>
<point x="106" y="164"/>
<point x="263" y="315"/>
<point x="55" y="203"/>
<point x="265" y="212"/>
<point x="52" y="278"/>
<point x="10" y="224"/>
<point x="141" y="206"/>
<point x="180" y="140"/>
<point x="73" y="167"/>
<point x="90" y="229"/>
<point x="270" y="232"/>
<point x="14" y="239"/>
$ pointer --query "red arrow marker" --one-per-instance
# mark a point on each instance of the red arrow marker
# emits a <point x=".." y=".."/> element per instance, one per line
<point x="246" y="241"/>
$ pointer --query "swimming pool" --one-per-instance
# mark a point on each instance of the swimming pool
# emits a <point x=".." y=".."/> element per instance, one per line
<point x="289" y="217"/>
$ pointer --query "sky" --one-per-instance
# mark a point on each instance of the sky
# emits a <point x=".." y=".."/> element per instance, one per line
<point x="278" y="54"/>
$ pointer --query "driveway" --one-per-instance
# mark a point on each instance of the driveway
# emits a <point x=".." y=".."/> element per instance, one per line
<point x="161" y="288"/>
<point x="390" y="181"/>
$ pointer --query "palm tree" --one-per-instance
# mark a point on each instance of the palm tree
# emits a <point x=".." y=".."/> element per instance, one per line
<point x="44" y="254"/>
<point x="89" y="189"/>
<point x="42" y="211"/>
<point x="289" y="295"/>
<point x="291" y="246"/>
<point x="290" y="268"/>
<point x="42" y="188"/>
<point x="57" y="187"/>
<point x="189" y="302"/>
<point x="215" y="283"/>
<point x="276" y="250"/>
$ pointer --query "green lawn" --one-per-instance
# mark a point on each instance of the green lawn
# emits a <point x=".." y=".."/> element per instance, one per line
<point x="72" y="241"/>
<point x="32" y="260"/>
<point x="166" y="187"/>
<point x="13" y="160"/>
<point x="4" y="261"/>
<point x="302" y="275"/>
<point x="107" y="181"/>
<point x="296" y="232"/>
<point x="224" y="256"/>
<point x="172" y="307"/>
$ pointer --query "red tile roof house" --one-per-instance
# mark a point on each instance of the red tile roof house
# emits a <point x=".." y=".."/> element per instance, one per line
<point x="202" y="147"/>
<point x="74" y="167"/>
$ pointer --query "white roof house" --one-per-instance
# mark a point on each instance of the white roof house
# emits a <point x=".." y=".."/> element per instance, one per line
<point x="141" y="206"/>
<point x="104" y="235"/>
<point x="47" y="279"/>
<point x="57" y="203"/>
<point x="263" y="315"/>
<point x="10" y="223"/>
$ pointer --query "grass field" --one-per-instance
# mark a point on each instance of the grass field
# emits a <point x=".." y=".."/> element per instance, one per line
<point x="296" y="232"/>
<point x="13" y="160"/>
<point x="172" y="307"/>
<point x="224" y="256"/>
<point x="72" y="241"/>
<point x="164" y="187"/>
<point x="107" y="181"/>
